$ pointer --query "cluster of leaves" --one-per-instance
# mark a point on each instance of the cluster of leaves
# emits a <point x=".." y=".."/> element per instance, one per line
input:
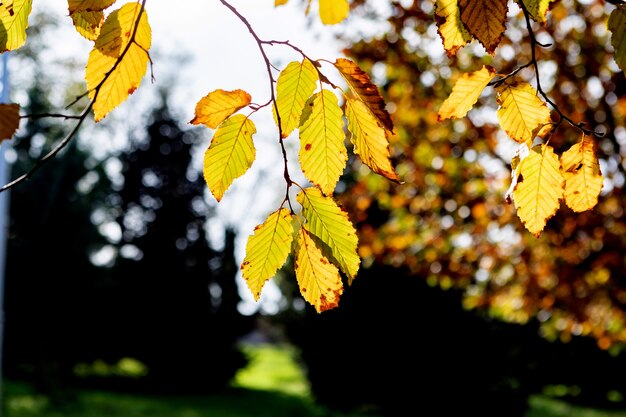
<point x="449" y="222"/>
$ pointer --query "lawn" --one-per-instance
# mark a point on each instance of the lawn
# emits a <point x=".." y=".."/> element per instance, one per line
<point x="273" y="385"/>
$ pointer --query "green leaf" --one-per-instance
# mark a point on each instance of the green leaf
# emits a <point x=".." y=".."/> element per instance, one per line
<point x="326" y="221"/>
<point x="369" y="139"/>
<point x="323" y="154"/>
<point x="295" y="85"/>
<point x="319" y="280"/>
<point x="267" y="250"/>
<point x="230" y="154"/>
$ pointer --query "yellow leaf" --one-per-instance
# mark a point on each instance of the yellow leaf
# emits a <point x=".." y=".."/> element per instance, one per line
<point x="323" y="154"/>
<point x="9" y="120"/>
<point x="450" y="27"/>
<point x="538" y="9"/>
<point x="326" y="221"/>
<point x="88" y="24"/>
<point x="485" y="21"/>
<point x="369" y="139"/>
<point x="333" y="11"/>
<point x="13" y="24"/>
<point x="218" y="105"/>
<point x="362" y="86"/>
<point x="617" y="26"/>
<point x="267" y="250"/>
<point x="295" y="85"/>
<point x="116" y="65"/>
<point x="230" y="154"/>
<point x="88" y="5"/>
<point x="465" y="93"/>
<point x="522" y="114"/>
<point x="280" y="2"/>
<point x="319" y="280"/>
<point x="539" y="189"/>
<point x="583" y="179"/>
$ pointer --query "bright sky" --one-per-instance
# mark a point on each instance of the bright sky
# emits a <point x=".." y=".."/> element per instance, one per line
<point x="224" y="55"/>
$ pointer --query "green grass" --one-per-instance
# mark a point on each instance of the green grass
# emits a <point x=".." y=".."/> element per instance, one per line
<point x="273" y="385"/>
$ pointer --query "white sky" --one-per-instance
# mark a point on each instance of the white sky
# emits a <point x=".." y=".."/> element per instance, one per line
<point x="224" y="55"/>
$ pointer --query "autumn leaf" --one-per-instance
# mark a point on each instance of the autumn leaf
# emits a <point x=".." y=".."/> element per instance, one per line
<point x="13" y="24"/>
<point x="333" y="11"/>
<point x="326" y="221"/>
<point x="280" y="2"/>
<point x="485" y="21"/>
<point x="9" y="120"/>
<point x="267" y="250"/>
<point x="369" y="139"/>
<point x="88" y="5"/>
<point x="295" y="85"/>
<point x="116" y="65"/>
<point x="465" y="93"/>
<point x="88" y="24"/>
<point x="362" y="86"/>
<point x="319" y="280"/>
<point x="539" y="189"/>
<point x="522" y="114"/>
<point x="583" y="179"/>
<point x="617" y="26"/>
<point x="230" y="154"/>
<point x="538" y="9"/>
<point x="218" y="105"/>
<point x="450" y="27"/>
<point x="323" y="154"/>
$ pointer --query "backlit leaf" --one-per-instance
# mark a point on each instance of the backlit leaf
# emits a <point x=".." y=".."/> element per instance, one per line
<point x="9" y="120"/>
<point x="617" y="26"/>
<point x="333" y="11"/>
<point x="583" y="179"/>
<point x="13" y="24"/>
<point x="323" y="154"/>
<point x="319" y="280"/>
<point x="538" y="9"/>
<point x="295" y="85"/>
<point x="369" y="139"/>
<point x="465" y="93"/>
<point x="88" y="24"/>
<point x="230" y="154"/>
<point x="280" y="2"/>
<point x="88" y="5"/>
<point x="485" y="21"/>
<point x="522" y="114"/>
<point x="216" y="106"/>
<point x="326" y="221"/>
<point x="539" y="188"/>
<point x="116" y="66"/>
<point x="267" y="250"/>
<point x="450" y="27"/>
<point x="362" y="86"/>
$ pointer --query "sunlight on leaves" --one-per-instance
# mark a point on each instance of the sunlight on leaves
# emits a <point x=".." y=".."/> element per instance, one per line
<point x="465" y="93"/>
<point x="329" y="223"/>
<point x="116" y="66"/>
<point x="538" y="9"/>
<point x="295" y="85"/>
<point x="323" y="154"/>
<point x="267" y="250"/>
<point x="450" y="26"/>
<point x="88" y="24"/>
<point x="485" y="21"/>
<point x="218" y="105"/>
<point x="539" y="188"/>
<point x="319" y="280"/>
<point x="522" y="114"/>
<point x="583" y="179"/>
<point x="88" y="5"/>
<point x="230" y="154"/>
<point x="13" y="24"/>
<point x="333" y="11"/>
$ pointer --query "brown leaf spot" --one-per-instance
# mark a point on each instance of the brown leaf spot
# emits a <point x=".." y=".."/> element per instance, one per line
<point x="132" y="89"/>
<point x="324" y="261"/>
<point x="307" y="147"/>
